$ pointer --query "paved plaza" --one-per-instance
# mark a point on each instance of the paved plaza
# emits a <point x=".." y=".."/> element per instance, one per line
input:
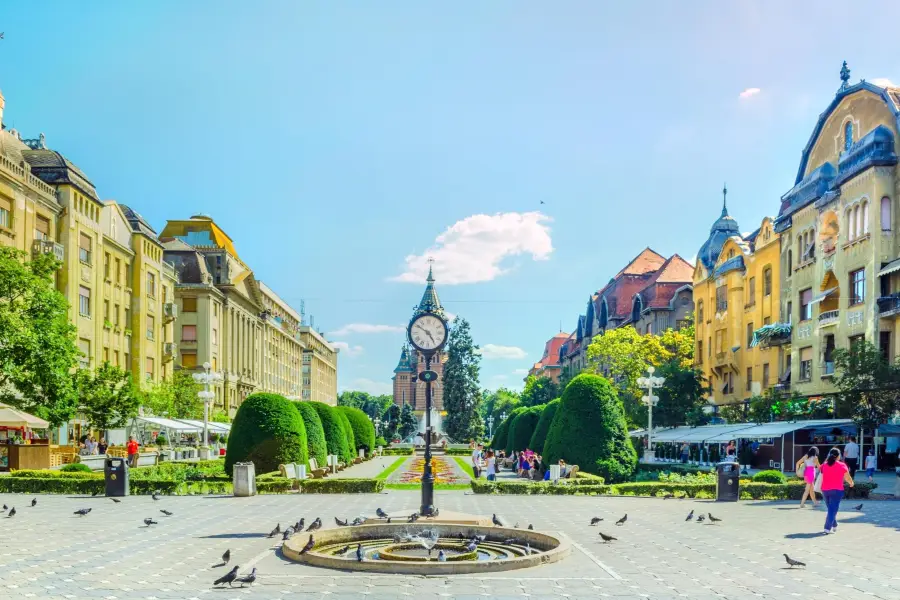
<point x="51" y="553"/>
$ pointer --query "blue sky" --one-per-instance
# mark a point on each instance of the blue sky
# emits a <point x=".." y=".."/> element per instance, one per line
<point x="340" y="144"/>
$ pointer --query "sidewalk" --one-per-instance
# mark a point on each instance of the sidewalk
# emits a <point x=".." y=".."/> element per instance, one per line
<point x="365" y="470"/>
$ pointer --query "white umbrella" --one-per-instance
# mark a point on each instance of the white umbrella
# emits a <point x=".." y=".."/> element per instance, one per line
<point x="12" y="417"/>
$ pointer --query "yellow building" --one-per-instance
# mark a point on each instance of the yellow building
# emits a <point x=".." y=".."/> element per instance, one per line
<point x="319" y="367"/>
<point x="736" y="293"/>
<point x="282" y="350"/>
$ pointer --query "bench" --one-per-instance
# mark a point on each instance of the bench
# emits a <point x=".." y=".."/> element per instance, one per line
<point x="315" y="470"/>
<point x="292" y="471"/>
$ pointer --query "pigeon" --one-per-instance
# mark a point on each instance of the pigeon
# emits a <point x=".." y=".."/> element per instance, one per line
<point x="516" y="526"/>
<point x="94" y="493"/>
<point x="300" y="525"/>
<point x="381" y="514"/>
<point x="168" y="513"/>
<point x="442" y="557"/>
<point x="413" y="517"/>
<point x="595" y="520"/>
<point x="154" y="496"/>
<point x="713" y="519"/>
<point x="668" y="496"/>
<point x="228" y="577"/>
<point x="388" y="519"/>
<point x="690" y="516"/>
<point x="248" y="579"/>
<point x="148" y="522"/>
<point x="479" y="538"/>
<point x="12" y="512"/>
<point x="275" y="531"/>
<point x="701" y="518"/>
<point x="357" y="521"/>
<point x="33" y="502"/>
<point x="342" y="551"/>
<point x="116" y="500"/>
<point x="340" y="523"/>
<point x="359" y="553"/>
<point x="793" y="563"/>
<point x="497" y="521"/>
<point x="607" y="538"/>
<point x="511" y="542"/>
<point x="528" y="549"/>
<point x="309" y="545"/>
<point x="858" y="507"/>
<point x="315" y="525"/>
<point x="226" y="557"/>
<point x="622" y="520"/>
<point x="530" y="527"/>
<point x="471" y="547"/>
<point x="81" y="511"/>
<point x="5" y="507"/>
<point x="287" y="534"/>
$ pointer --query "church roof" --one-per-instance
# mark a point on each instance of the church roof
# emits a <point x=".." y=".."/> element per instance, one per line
<point x="404" y="365"/>
<point x="430" y="301"/>
<point x="723" y="228"/>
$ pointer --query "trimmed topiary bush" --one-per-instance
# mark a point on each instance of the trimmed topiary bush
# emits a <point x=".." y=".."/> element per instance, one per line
<point x="315" y="433"/>
<point x="522" y="428"/>
<point x="75" y="468"/>
<point x="335" y="439"/>
<point x="500" y="435"/>
<point x="770" y="476"/>
<point x="539" y="437"/>
<point x="589" y="430"/>
<point x="505" y="442"/>
<point x="267" y="431"/>
<point x="363" y="429"/>
<point x="350" y="439"/>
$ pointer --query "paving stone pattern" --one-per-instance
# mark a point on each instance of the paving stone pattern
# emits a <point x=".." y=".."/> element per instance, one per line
<point x="50" y="553"/>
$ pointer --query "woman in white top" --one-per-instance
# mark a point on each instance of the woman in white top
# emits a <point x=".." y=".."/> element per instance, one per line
<point x="491" y="466"/>
<point x="809" y="467"/>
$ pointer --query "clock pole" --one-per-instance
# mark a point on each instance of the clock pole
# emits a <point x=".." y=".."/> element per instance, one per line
<point x="427" y="509"/>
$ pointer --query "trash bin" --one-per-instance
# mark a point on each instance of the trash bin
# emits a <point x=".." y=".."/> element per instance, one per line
<point x="115" y="472"/>
<point x="244" y="479"/>
<point x="728" y="477"/>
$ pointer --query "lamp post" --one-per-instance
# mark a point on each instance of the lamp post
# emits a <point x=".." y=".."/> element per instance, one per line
<point x="377" y="422"/>
<point x="490" y="424"/>
<point x="206" y="379"/>
<point x="650" y="400"/>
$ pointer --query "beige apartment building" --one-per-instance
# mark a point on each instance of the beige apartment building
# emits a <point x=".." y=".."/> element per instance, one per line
<point x="319" y="382"/>
<point x="282" y="347"/>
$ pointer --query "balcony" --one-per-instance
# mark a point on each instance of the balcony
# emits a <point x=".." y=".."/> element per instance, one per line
<point x="170" y="310"/>
<point x="774" y="334"/>
<point x="48" y="247"/>
<point x="829" y="317"/>
<point x="889" y="305"/>
<point x="169" y="350"/>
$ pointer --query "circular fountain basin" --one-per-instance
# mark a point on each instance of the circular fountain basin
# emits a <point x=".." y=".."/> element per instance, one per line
<point x="386" y="549"/>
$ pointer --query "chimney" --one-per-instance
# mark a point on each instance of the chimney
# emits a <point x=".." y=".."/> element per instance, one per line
<point x="2" y="103"/>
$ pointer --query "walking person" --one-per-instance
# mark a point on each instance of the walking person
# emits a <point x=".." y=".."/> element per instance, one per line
<point x="132" y="448"/>
<point x="851" y="455"/>
<point x="685" y="453"/>
<point x="834" y="474"/>
<point x="870" y="464"/>
<point x="476" y="460"/>
<point x="491" y="466"/>
<point x="807" y="466"/>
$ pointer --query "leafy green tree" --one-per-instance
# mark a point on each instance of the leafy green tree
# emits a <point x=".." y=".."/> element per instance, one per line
<point x="315" y="433"/>
<point x="523" y="426"/>
<point x="354" y="399"/>
<point x="462" y="394"/>
<point x="390" y="422"/>
<point x="363" y="429"/>
<point x="539" y="437"/>
<point x="408" y="422"/>
<point x="333" y="428"/>
<point x="539" y="390"/>
<point x="37" y="342"/>
<point x="108" y="396"/>
<point x="267" y="431"/>
<point x="506" y="439"/>
<point x="681" y="397"/>
<point x="175" y="397"/>
<point x="498" y="403"/>
<point x="868" y="385"/>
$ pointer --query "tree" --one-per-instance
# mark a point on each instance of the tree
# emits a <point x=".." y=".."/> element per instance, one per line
<point x="108" y="396"/>
<point x="267" y="431"/>
<point x="408" y="422"/>
<point x="681" y="397"/>
<point x="868" y="385"/>
<point x="363" y="429"/>
<point x="354" y="399"/>
<point x="335" y="440"/>
<point x="374" y="406"/>
<point x="496" y="404"/>
<point x="37" y="342"/>
<point x="522" y="428"/>
<point x="462" y="394"/>
<point x="390" y="422"/>
<point x="315" y="433"/>
<point x="505" y="438"/>
<point x="589" y="429"/>
<point x="539" y="437"/>
<point x="539" y="390"/>
<point x="175" y="397"/>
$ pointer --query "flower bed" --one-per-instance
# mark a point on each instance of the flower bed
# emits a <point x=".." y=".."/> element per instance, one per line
<point x="443" y="471"/>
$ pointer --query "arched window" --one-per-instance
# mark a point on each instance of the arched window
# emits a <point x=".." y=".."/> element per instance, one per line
<point x="848" y="135"/>
<point x="700" y="312"/>
<point x="790" y="262"/>
<point x="865" y="218"/>
<point x="857" y="217"/>
<point x="636" y="310"/>
<point x="885" y="214"/>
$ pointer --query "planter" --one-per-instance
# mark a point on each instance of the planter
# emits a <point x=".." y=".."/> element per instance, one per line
<point x="95" y="461"/>
<point x="148" y="459"/>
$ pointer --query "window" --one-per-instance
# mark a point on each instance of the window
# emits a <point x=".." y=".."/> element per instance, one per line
<point x="749" y="383"/>
<point x="127" y="317"/>
<point x="188" y="333"/>
<point x="752" y="292"/>
<point x="151" y="285"/>
<point x="214" y="364"/>
<point x="215" y="336"/>
<point x="848" y="135"/>
<point x="767" y="281"/>
<point x="806" y="304"/>
<point x="84" y="248"/>
<point x="150" y="368"/>
<point x="106" y="265"/>
<point x="767" y="320"/>
<point x="700" y="352"/>
<point x="151" y="326"/>
<point x="857" y="219"/>
<point x="721" y="299"/>
<point x="709" y="347"/>
<point x="806" y="363"/>
<point x="790" y="262"/>
<point x="116" y="315"/>
<point x="729" y="383"/>
<point x="84" y="347"/>
<point x="765" y="375"/>
<point x="700" y="312"/>
<point x="165" y="293"/>
<point x="5" y="213"/>
<point x="41" y="228"/>
<point x="188" y="305"/>
<point x="720" y="341"/>
<point x="116" y="358"/>
<point x="856" y="339"/>
<point x="84" y="301"/>
<point x="789" y="316"/>
<point x="857" y="287"/>
<point x="865" y="218"/>
<point x="106" y="355"/>
<point x="885" y="214"/>
<point x="215" y="309"/>
<point x="106" y="310"/>
<point x="749" y="334"/>
<point x="189" y="360"/>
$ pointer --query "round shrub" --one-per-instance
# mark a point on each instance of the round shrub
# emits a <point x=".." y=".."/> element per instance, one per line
<point x="770" y="476"/>
<point x="539" y="437"/>
<point x="349" y="438"/>
<point x="335" y="439"/>
<point x="506" y="443"/>
<point x="522" y="428"/>
<point x="380" y="441"/>
<point x="363" y="429"/>
<point x="76" y="468"/>
<point x="589" y="430"/>
<point x="267" y="431"/>
<point x="500" y="435"/>
<point x="315" y="433"/>
<point x="162" y="441"/>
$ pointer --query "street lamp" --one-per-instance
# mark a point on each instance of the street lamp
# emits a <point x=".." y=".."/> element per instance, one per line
<point x="650" y="400"/>
<point x="377" y="426"/>
<point x="490" y="424"/>
<point x="206" y="379"/>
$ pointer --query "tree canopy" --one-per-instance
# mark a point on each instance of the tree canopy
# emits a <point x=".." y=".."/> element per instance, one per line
<point x="868" y="385"/>
<point x="108" y="396"/>
<point x="462" y="395"/>
<point x="373" y="406"/>
<point x="408" y="422"/>
<point x="175" y="397"/>
<point x="267" y="431"/>
<point x="539" y="390"/>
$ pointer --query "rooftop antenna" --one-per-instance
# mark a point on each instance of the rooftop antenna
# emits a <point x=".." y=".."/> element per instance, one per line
<point x="302" y="312"/>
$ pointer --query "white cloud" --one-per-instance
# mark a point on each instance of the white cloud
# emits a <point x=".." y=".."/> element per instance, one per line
<point x="521" y="372"/>
<point x="883" y="82"/>
<point x="346" y="349"/>
<point x="366" y="328"/>
<point x="450" y="316"/>
<point x="473" y="249"/>
<point x="492" y="351"/>
<point x="749" y="93"/>
<point x="369" y="386"/>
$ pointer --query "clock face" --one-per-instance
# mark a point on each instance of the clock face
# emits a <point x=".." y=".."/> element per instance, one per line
<point x="427" y="332"/>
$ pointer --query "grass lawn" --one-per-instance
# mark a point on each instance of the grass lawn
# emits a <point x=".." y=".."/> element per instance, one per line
<point x="437" y="486"/>
<point x="465" y="465"/>
<point x="394" y="466"/>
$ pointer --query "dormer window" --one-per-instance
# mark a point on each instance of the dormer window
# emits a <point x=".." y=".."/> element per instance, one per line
<point x="848" y="135"/>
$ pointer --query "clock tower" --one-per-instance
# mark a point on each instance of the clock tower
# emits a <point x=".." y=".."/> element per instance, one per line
<point x="408" y="386"/>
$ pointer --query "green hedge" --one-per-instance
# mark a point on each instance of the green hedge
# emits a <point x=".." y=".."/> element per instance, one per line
<point x="363" y="429"/>
<point x="458" y="452"/>
<point x="672" y="468"/>
<point x="523" y="426"/>
<point x="75" y="467"/>
<point x="770" y="476"/>
<point x="398" y="451"/>
<point x="349" y="439"/>
<point x="536" y="488"/>
<point x="539" y="437"/>
<point x="29" y="473"/>
<point x="342" y="486"/>
<point x="69" y="485"/>
<point x="275" y="486"/>
<point x="267" y="431"/>
<point x="315" y="433"/>
<point x="333" y="427"/>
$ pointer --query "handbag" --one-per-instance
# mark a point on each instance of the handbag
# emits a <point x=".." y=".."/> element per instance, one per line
<point x="801" y="469"/>
<point x="817" y="487"/>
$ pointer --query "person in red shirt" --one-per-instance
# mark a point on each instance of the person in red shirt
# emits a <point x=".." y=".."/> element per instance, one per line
<point x="834" y="474"/>
<point x="132" y="448"/>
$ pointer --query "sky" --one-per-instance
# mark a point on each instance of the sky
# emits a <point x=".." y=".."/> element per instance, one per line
<point x="530" y="149"/>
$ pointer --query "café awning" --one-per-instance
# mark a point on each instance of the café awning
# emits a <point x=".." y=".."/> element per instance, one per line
<point x="780" y="428"/>
<point x="212" y="425"/>
<point x="170" y="424"/>
<point x="13" y="417"/>
<point x="824" y="295"/>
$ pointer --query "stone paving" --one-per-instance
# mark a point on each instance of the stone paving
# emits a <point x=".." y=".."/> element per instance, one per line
<point x="51" y="553"/>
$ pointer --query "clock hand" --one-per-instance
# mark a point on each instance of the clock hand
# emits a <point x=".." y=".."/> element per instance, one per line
<point x="431" y="337"/>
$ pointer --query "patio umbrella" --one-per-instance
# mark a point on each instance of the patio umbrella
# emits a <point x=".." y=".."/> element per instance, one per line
<point x="12" y="417"/>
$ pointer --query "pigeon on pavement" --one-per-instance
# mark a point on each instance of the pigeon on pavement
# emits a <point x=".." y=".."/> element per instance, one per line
<point x="154" y="496"/>
<point x="166" y="512"/>
<point x="116" y="500"/>
<point x="226" y="557"/>
<point x="701" y="518"/>
<point x="94" y="493"/>
<point x="275" y="531"/>
<point x="81" y="511"/>
<point x="12" y="512"/>
<point x="248" y="579"/>
<point x="33" y="502"/>
<point x="5" y="507"/>
<point x="595" y="520"/>
<point x="315" y="525"/>
<point x="607" y="538"/>
<point x="497" y="521"/>
<point x="309" y="545"/>
<point x="413" y="517"/>
<point x="530" y="527"/>
<point x="690" y="516"/>
<point x="287" y="534"/>
<point x="793" y="563"/>
<point x="622" y="520"/>
<point x="516" y="526"/>
<point x="340" y="523"/>
<point x="388" y="519"/>
<point x="300" y="524"/>
<point x="342" y="551"/>
<point x="359" y="553"/>
<point x="858" y="507"/>
<point x="713" y="519"/>
<point x="381" y="513"/>
<point x="228" y="577"/>
<point x="148" y="522"/>
<point x="668" y="496"/>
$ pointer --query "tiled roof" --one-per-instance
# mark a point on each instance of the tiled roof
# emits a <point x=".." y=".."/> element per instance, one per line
<point x="55" y="169"/>
<point x="137" y="222"/>
<point x="645" y="262"/>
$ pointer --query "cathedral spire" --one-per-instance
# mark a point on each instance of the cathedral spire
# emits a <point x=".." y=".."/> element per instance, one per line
<point x="430" y="301"/>
<point x="724" y="201"/>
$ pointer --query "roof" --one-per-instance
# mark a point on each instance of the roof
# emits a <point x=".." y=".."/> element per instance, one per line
<point x="404" y="365"/>
<point x="722" y="228"/>
<point x="199" y="231"/>
<point x="55" y="169"/>
<point x="550" y="357"/>
<point x="430" y="301"/>
<point x="780" y="428"/>
<point x="646" y="262"/>
<point x="170" y="424"/>
<point x="137" y="222"/>
<point x="275" y="297"/>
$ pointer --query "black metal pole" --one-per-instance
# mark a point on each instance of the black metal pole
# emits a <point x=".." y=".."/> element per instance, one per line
<point x="427" y="508"/>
